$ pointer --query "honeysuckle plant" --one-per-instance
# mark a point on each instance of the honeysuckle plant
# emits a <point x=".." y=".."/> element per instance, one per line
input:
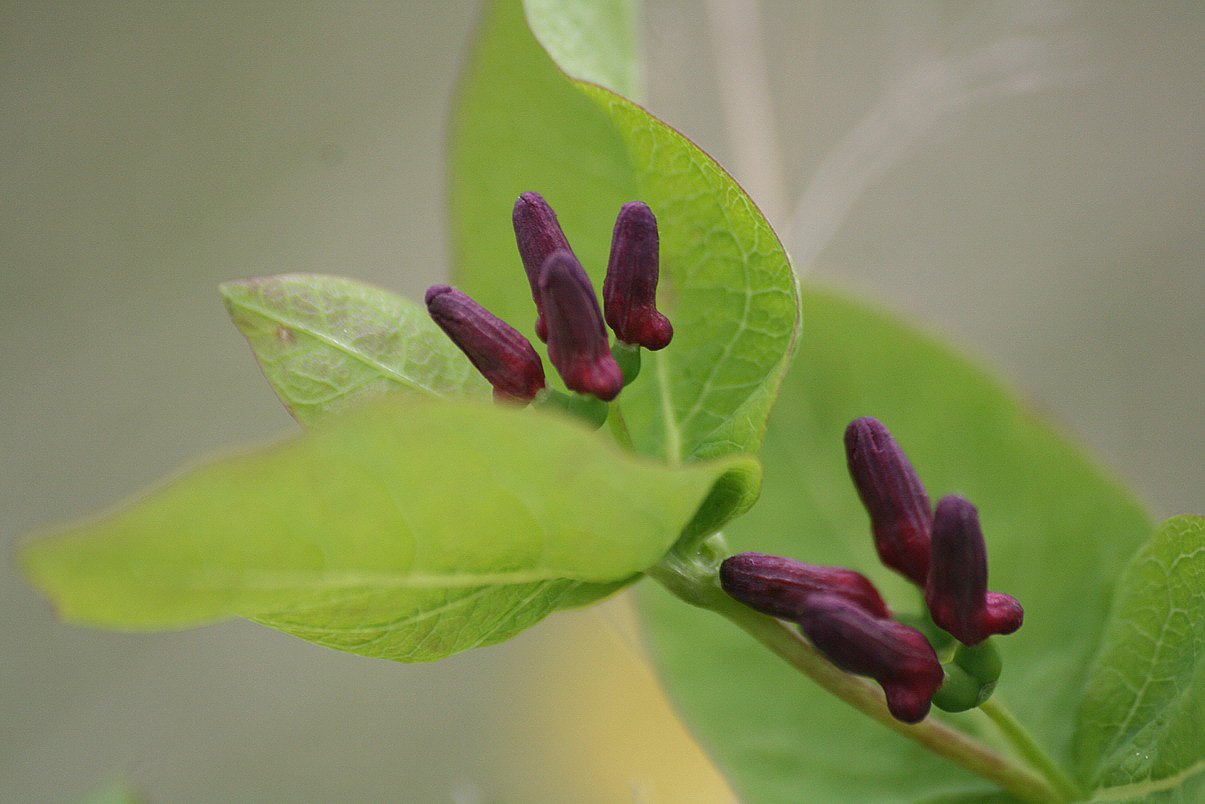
<point x="446" y="492"/>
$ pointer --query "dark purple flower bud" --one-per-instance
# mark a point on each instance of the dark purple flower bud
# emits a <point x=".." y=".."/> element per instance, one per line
<point x="498" y="350"/>
<point x="577" y="339"/>
<point x="538" y="234"/>
<point x="956" y="593"/>
<point x="895" y="655"/>
<point x="777" y="586"/>
<point x="900" y="516"/>
<point x="630" y="289"/>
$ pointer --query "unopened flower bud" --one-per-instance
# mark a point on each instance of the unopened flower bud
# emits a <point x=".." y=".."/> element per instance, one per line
<point x="956" y="592"/>
<point x="538" y="234"/>
<point x="971" y="678"/>
<point x="893" y="495"/>
<point x="630" y="289"/>
<point x="577" y="339"/>
<point x="959" y="691"/>
<point x="495" y="348"/>
<point x="778" y="586"/>
<point x="895" y="655"/>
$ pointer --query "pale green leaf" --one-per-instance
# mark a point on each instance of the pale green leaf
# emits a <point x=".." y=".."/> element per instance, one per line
<point x="592" y="40"/>
<point x="726" y="284"/>
<point x="113" y="793"/>
<point x="409" y="531"/>
<point x="1058" y="532"/>
<point x="1141" y="727"/>
<point x="327" y="343"/>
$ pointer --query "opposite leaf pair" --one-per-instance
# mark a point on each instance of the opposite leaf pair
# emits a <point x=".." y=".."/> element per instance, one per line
<point x="568" y="316"/>
<point x="843" y="614"/>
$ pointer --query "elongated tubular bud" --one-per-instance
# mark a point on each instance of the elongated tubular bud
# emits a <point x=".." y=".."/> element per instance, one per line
<point x="495" y="348"/>
<point x="538" y="234"/>
<point x="893" y="495"/>
<point x="630" y="289"/>
<point x="778" y="586"/>
<point x="956" y="592"/>
<point x="895" y="655"/>
<point x="577" y="339"/>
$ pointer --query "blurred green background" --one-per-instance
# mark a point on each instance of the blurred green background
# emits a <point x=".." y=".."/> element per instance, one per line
<point x="1027" y="177"/>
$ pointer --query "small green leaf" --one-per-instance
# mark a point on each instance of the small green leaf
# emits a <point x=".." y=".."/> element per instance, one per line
<point x="726" y="284"/>
<point x="326" y="343"/>
<point x="1058" y="532"/>
<point x="408" y="531"/>
<point x="594" y="40"/>
<point x="1141" y="727"/>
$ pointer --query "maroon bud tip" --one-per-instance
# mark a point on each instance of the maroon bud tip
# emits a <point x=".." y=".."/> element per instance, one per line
<point x="895" y="655"/>
<point x="778" y="586"/>
<point x="495" y="348"/>
<point x="435" y="290"/>
<point x="1004" y="613"/>
<point x="538" y="234"/>
<point x="956" y="592"/>
<point x="577" y="340"/>
<point x="908" y="702"/>
<point x="630" y="289"/>
<point x="893" y="495"/>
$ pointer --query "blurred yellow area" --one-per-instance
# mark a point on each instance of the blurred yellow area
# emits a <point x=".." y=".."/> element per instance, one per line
<point x="602" y="722"/>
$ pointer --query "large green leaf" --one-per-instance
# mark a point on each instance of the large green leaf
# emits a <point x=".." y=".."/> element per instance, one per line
<point x="523" y="123"/>
<point x="409" y="532"/>
<point x="1141" y="729"/>
<point x="1058" y="533"/>
<point x="327" y="343"/>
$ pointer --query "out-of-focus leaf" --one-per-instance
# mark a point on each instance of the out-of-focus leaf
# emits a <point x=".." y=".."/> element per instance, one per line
<point x="593" y="40"/>
<point x="114" y="793"/>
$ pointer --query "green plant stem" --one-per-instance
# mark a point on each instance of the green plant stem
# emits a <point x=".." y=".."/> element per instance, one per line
<point x="1025" y="745"/>
<point x="695" y="580"/>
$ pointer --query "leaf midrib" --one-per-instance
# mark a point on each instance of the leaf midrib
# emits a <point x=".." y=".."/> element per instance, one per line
<point x="1128" y="791"/>
<point x="318" y="580"/>
<point x="673" y="435"/>
<point x="346" y="349"/>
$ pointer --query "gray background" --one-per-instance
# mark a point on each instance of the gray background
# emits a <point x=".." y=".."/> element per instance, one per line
<point x="1024" y="176"/>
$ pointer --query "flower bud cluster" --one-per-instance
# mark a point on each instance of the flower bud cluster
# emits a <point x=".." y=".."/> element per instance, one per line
<point x="942" y="551"/>
<point x="844" y="616"/>
<point x="568" y="316"/>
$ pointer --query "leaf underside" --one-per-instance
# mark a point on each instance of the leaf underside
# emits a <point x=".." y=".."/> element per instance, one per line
<point x="409" y="531"/>
<point x="328" y="343"/>
<point x="1140" y="734"/>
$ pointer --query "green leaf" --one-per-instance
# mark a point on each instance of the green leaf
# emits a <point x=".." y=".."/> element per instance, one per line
<point x="116" y="792"/>
<point x="1058" y="533"/>
<point x="409" y="531"/>
<point x="327" y="343"/>
<point x="731" y="496"/>
<point x="1140" y="734"/>
<point x="726" y="284"/>
<point x="593" y="40"/>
